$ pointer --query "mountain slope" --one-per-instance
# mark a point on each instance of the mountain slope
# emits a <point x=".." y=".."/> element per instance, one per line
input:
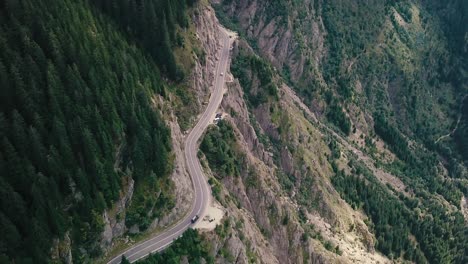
<point x="78" y="126"/>
<point x="386" y="154"/>
<point x="342" y="140"/>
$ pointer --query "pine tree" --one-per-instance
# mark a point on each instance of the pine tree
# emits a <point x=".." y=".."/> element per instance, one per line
<point x="38" y="55"/>
<point x="71" y="92"/>
<point x="55" y="92"/>
<point x="10" y="240"/>
<point x="18" y="134"/>
<point x="5" y="91"/>
<point x="165" y="52"/>
<point x="124" y="260"/>
<point x="14" y="164"/>
<point x="14" y="207"/>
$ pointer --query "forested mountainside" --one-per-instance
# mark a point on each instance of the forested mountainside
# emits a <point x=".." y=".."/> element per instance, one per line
<point x="401" y="64"/>
<point x="391" y="76"/>
<point x="78" y="121"/>
<point x="343" y="140"/>
<point x="153" y="25"/>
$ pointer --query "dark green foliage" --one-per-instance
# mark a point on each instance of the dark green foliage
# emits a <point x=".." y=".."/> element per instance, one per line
<point x="389" y="221"/>
<point x="347" y="32"/>
<point x="441" y="236"/>
<point x="250" y="68"/>
<point x="75" y="118"/>
<point x="461" y="134"/>
<point x="277" y="9"/>
<point x="219" y="147"/>
<point x="215" y="188"/>
<point x="124" y="260"/>
<point x="153" y="196"/>
<point x="190" y="245"/>
<point x="405" y="89"/>
<point x="339" y="118"/>
<point x="417" y="169"/>
<point x="153" y="24"/>
<point x="392" y="136"/>
<point x="454" y="15"/>
<point x="308" y="197"/>
<point x="348" y="35"/>
<point x="404" y="9"/>
<point x="287" y="181"/>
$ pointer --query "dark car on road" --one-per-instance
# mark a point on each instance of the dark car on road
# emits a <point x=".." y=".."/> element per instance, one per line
<point x="194" y="219"/>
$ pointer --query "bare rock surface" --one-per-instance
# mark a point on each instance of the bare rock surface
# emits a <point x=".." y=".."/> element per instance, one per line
<point x="277" y="38"/>
<point x="114" y="219"/>
<point x="61" y="250"/>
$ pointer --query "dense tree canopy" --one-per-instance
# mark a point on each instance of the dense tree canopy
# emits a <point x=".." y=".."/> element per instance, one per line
<point x="190" y="247"/>
<point x="153" y="24"/>
<point x="219" y="147"/>
<point x="442" y="237"/>
<point x="76" y="118"/>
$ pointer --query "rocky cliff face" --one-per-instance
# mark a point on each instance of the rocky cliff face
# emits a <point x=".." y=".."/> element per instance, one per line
<point x="268" y="223"/>
<point x="283" y="207"/>
<point x="200" y="82"/>
<point x="114" y="219"/>
<point x="292" y="40"/>
<point x="325" y="48"/>
<point x="258" y="204"/>
<point x="292" y="153"/>
<point x="61" y="250"/>
<point x="205" y="31"/>
<point x="270" y="204"/>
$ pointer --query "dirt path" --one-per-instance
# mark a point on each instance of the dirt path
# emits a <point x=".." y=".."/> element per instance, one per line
<point x="458" y="122"/>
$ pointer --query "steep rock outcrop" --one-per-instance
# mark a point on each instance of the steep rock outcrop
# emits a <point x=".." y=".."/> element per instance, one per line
<point x="114" y="219"/>
<point x="295" y="42"/>
<point x="207" y="30"/>
<point x="259" y="192"/>
<point x="200" y="81"/>
<point x="234" y="105"/>
<point x="61" y="250"/>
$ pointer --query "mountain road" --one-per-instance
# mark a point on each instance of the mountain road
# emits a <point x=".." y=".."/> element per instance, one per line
<point x="202" y="192"/>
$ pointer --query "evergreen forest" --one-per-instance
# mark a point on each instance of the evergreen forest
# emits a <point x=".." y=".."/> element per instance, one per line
<point x="77" y="119"/>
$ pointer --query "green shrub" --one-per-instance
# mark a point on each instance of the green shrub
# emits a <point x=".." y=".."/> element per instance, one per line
<point x="219" y="147"/>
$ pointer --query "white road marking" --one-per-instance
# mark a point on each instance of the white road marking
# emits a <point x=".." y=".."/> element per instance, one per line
<point x="202" y="192"/>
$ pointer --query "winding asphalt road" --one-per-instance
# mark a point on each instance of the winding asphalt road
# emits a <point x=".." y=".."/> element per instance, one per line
<point x="200" y="185"/>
